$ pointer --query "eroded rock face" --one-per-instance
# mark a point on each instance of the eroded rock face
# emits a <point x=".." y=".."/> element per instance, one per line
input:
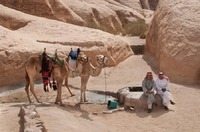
<point x="113" y="16"/>
<point x="17" y="45"/>
<point x="173" y="40"/>
<point x="149" y="4"/>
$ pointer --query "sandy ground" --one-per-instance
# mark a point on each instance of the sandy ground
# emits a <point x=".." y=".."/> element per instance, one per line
<point x="184" y="116"/>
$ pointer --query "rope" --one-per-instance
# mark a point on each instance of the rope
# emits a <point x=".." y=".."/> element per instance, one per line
<point x="106" y="75"/>
<point x="105" y="85"/>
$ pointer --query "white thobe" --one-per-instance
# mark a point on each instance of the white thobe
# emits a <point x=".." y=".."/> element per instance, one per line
<point x="166" y="96"/>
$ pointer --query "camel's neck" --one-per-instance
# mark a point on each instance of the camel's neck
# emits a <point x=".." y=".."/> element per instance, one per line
<point x="95" y="70"/>
<point x="75" y="72"/>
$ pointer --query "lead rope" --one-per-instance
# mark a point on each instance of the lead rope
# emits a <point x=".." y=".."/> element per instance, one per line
<point x="105" y="85"/>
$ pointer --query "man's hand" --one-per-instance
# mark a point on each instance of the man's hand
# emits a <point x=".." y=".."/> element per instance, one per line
<point x="149" y="92"/>
<point x="163" y="89"/>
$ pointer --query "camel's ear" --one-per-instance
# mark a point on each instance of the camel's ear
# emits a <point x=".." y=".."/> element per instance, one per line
<point x="106" y="61"/>
<point x="96" y="57"/>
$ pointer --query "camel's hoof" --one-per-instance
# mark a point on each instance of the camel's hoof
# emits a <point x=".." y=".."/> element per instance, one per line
<point x="62" y="105"/>
<point x="81" y="102"/>
<point x="86" y="101"/>
<point x="56" y="103"/>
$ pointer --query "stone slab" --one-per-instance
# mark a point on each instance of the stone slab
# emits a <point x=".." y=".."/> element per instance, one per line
<point x="136" y="99"/>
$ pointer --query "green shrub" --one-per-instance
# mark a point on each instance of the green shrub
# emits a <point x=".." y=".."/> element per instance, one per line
<point x="132" y="28"/>
<point x="135" y="28"/>
<point x="101" y="27"/>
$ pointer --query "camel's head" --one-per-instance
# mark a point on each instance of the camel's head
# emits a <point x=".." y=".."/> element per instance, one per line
<point x="102" y="60"/>
<point x="82" y="58"/>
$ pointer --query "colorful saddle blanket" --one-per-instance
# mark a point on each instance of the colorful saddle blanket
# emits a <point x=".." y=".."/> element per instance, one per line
<point x="54" y="58"/>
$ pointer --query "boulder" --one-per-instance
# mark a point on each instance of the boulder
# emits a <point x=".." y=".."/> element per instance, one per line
<point x="173" y="40"/>
<point x="149" y="4"/>
<point x="30" y="120"/>
<point x="133" y="96"/>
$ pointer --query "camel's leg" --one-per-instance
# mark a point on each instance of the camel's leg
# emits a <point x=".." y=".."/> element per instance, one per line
<point x="27" y="90"/>
<point x="84" y="90"/>
<point x="82" y="87"/>
<point x="32" y="90"/>
<point x="56" y="101"/>
<point x="66" y="84"/>
<point x="84" y="81"/>
<point x="59" y="92"/>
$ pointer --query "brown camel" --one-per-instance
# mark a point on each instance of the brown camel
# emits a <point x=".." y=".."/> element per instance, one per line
<point x="33" y="66"/>
<point x="90" y="70"/>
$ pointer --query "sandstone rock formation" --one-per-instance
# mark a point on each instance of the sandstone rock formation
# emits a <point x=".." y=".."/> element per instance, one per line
<point x="114" y="16"/>
<point x="149" y="4"/>
<point x="173" y="40"/>
<point x="23" y="35"/>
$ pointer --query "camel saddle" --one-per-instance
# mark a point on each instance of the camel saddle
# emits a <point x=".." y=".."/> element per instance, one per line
<point x="54" y="58"/>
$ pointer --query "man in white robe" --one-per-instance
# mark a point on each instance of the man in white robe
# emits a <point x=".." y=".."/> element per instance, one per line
<point x="162" y="88"/>
<point x="149" y="87"/>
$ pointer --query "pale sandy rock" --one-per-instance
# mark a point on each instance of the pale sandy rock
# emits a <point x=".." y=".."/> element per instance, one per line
<point x="30" y="120"/>
<point x="53" y="9"/>
<point x="18" y="44"/>
<point x="133" y="96"/>
<point x="108" y="15"/>
<point x="149" y="4"/>
<point x="145" y="4"/>
<point x="153" y="4"/>
<point x="135" y="4"/>
<point x="173" y="40"/>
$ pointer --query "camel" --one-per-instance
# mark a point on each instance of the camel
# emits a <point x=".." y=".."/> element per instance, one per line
<point x="90" y="70"/>
<point x="33" y="66"/>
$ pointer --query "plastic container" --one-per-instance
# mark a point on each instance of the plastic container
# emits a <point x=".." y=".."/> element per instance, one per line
<point x="112" y="104"/>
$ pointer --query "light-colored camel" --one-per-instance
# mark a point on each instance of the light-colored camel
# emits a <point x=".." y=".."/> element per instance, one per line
<point x="59" y="73"/>
<point x="90" y="70"/>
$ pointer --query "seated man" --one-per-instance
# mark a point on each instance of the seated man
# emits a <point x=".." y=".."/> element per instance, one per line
<point x="162" y="88"/>
<point x="149" y="87"/>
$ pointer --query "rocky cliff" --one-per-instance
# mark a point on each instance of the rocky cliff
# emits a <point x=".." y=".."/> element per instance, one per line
<point x="173" y="40"/>
<point x="114" y="16"/>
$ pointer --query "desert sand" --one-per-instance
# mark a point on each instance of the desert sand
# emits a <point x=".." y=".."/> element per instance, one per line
<point x="75" y="117"/>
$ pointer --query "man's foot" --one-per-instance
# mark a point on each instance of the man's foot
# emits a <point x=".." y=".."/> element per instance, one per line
<point x="173" y="103"/>
<point x="155" y="104"/>
<point x="131" y="108"/>
<point x="166" y="108"/>
<point x="149" y="110"/>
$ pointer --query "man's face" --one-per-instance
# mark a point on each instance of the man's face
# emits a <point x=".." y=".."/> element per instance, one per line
<point x="149" y="76"/>
<point x="160" y="76"/>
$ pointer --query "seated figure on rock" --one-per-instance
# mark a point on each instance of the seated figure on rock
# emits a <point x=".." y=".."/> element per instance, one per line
<point x="162" y="88"/>
<point x="149" y="87"/>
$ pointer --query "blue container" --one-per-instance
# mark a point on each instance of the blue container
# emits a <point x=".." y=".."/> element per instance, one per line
<point x="112" y="104"/>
